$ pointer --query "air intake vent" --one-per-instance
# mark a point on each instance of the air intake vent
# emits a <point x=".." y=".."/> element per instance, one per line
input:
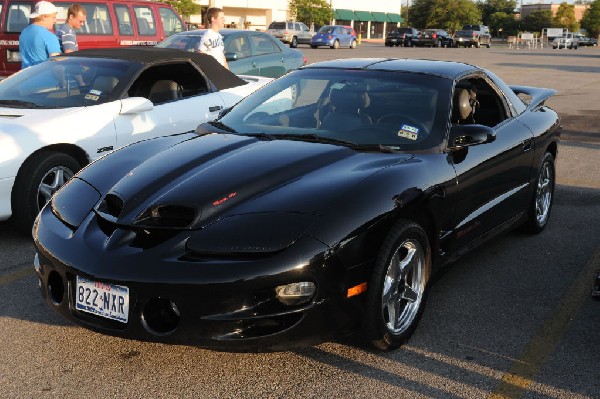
<point x="111" y="205"/>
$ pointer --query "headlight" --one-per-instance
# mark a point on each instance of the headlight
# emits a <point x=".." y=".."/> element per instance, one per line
<point x="296" y="293"/>
<point x="74" y="201"/>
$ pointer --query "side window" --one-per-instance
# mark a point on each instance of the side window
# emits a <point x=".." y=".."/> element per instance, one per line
<point x="240" y="46"/>
<point x="17" y="17"/>
<point x="303" y="27"/>
<point x="262" y="44"/>
<point x="145" y="21"/>
<point x="170" y="21"/>
<point x="170" y="82"/>
<point x="124" y="20"/>
<point x="477" y="101"/>
<point x="97" y="21"/>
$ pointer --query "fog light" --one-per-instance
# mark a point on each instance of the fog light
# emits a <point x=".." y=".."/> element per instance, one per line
<point x="296" y="293"/>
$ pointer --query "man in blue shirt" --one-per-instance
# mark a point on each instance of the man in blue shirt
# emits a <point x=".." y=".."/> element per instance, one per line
<point x="37" y="43"/>
<point x="66" y="32"/>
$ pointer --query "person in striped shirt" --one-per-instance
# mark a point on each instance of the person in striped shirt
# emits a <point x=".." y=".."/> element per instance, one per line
<point x="76" y="15"/>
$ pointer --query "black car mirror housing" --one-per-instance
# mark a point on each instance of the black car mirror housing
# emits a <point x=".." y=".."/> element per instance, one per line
<point x="469" y="135"/>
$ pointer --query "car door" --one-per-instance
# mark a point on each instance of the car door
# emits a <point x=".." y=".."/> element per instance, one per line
<point x="181" y="103"/>
<point x="304" y="34"/>
<point x="243" y="63"/>
<point x="267" y="55"/>
<point x="493" y="177"/>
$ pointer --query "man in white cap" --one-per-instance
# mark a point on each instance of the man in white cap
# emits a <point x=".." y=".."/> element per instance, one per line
<point x="37" y="42"/>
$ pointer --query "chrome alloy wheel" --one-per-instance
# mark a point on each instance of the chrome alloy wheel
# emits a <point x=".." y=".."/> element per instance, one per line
<point x="53" y="180"/>
<point x="543" y="196"/>
<point x="403" y="286"/>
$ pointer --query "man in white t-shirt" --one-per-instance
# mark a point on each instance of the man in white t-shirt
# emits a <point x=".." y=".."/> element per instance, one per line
<point x="211" y="42"/>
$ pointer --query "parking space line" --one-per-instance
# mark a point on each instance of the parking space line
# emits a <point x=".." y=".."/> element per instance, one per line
<point x="9" y="278"/>
<point x="522" y="372"/>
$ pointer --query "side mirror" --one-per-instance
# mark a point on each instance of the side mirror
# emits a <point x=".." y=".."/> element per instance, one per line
<point x="231" y="56"/>
<point x="224" y="112"/>
<point x="135" y="105"/>
<point x="469" y="135"/>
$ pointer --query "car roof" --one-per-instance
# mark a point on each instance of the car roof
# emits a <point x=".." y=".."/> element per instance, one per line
<point x="221" y="77"/>
<point x="224" y="32"/>
<point x="448" y="69"/>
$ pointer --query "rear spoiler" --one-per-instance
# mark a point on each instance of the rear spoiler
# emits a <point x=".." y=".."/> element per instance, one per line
<point x="538" y="95"/>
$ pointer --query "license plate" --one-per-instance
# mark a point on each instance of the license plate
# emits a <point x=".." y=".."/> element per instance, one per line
<point x="319" y="39"/>
<point x="105" y="300"/>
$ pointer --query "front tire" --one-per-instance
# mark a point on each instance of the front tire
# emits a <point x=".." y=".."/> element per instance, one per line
<point x="397" y="289"/>
<point x="38" y="179"/>
<point x="543" y="197"/>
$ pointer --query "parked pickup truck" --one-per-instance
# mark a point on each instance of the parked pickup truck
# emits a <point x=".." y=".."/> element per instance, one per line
<point x="473" y="35"/>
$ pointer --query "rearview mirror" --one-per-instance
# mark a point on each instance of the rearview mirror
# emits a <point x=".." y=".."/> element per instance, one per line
<point x="469" y="135"/>
<point x="231" y="56"/>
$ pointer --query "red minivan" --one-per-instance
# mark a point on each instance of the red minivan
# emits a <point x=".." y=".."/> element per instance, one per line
<point x="109" y="23"/>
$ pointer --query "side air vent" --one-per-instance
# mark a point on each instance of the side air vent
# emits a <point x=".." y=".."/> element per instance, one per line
<point x="111" y="205"/>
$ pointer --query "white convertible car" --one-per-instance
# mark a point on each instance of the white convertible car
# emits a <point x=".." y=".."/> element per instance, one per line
<point x="58" y="116"/>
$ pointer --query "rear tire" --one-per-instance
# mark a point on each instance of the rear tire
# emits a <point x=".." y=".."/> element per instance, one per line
<point x="38" y="179"/>
<point x="543" y="197"/>
<point x="294" y="42"/>
<point x="397" y="289"/>
<point x="336" y="45"/>
<point x="353" y="44"/>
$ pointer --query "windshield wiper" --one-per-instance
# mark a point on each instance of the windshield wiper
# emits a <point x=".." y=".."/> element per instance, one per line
<point x="222" y="126"/>
<point x="376" y="147"/>
<point x="260" y="135"/>
<point x="20" y="104"/>
<point x="315" y="138"/>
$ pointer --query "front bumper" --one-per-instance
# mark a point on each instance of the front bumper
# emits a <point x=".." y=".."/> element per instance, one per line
<point x="223" y="303"/>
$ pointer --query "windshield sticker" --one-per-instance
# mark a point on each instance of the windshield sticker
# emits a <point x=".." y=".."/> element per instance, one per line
<point x="408" y="132"/>
<point x="96" y="92"/>
<point x="91" y="97"/>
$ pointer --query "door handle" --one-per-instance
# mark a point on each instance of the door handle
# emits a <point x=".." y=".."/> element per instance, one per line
<point x="215" y="108"/>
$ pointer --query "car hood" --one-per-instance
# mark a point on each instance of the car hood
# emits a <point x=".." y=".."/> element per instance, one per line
<point x="215" y="176"/>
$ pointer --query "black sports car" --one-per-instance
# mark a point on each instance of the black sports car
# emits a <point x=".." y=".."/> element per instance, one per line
<point x="318" y="205"/>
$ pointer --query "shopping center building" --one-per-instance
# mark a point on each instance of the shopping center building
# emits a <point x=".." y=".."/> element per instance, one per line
<point x="370" y="20"/>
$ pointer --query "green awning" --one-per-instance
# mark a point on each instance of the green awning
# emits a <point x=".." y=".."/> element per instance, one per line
<point x="379" y="16"/>
<point x="394" y="17"/>
<point x="346" y="15"/>
<point x="363" y="16"/>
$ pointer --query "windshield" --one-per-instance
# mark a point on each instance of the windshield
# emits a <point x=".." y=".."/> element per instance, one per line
<point x="67" y="82"/>
<point x="404" y="111"/>
<point x="183" y="41"/>
<point x="327" y="29"/>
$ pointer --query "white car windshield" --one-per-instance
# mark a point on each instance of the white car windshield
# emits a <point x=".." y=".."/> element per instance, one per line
<point x="67" y="82"/>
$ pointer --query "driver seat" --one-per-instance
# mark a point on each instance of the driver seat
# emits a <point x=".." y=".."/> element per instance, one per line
<point x="346" y="109"/>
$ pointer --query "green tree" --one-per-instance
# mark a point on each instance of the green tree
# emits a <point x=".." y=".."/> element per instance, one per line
<point x="591" y="19"/>
<point x="502" y="24"/>
<point x="184" y="7"/>
<point x="491" y="7"/>
<point x="310" y="12"/>
<point x="537" y="21"/>
<point x="565" y="17"/>
<point x="450" y="15"/>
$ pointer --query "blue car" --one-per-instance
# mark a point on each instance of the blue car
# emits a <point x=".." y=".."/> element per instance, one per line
<point x="334" y="36"/>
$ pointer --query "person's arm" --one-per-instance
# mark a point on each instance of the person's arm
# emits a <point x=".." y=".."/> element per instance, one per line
<point x="52" y="46"/>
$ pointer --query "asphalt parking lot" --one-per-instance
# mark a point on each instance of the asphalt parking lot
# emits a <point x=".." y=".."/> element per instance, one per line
<point x="513" y="319"/>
